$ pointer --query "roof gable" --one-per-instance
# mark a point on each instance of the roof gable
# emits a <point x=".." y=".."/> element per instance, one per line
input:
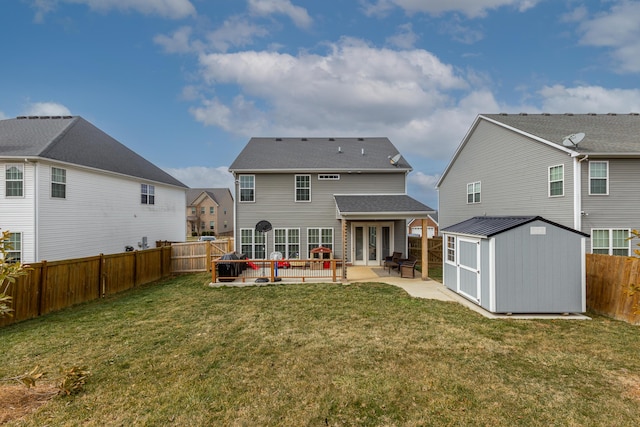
<point x="487" y="226"/>
<point x="71" y="139"/>
<point x="319" y="154"/>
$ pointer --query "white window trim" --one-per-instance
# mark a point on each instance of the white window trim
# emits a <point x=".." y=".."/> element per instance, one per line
<point x="20" y="252"/>
<point x="606" y="193"/>
<point x="454" y="249"/>
<point x="321" y="243"/>
<point x="287" y="243"/>
<point x="295" y="190"/>
<point x="240" y="188"/>
<point x="64" y="183"/>
<point x="549" y="181"/>
<point x="610" y="244"/>
<point x="473" y="192"/>
<point x="150" y="193"/>
<point x="253" y="243"/>
<point x="20" y="166"/>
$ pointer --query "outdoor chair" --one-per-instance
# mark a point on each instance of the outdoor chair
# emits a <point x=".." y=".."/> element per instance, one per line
<point x="392" y="261"/>
<point x="408" y="267"/>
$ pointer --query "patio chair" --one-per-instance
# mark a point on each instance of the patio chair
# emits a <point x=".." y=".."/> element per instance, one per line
<point x="392" y="261"/>
<point x="408" y="267"/>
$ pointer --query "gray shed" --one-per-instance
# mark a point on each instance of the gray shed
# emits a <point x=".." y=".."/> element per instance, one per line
<point x="516" y="264"/>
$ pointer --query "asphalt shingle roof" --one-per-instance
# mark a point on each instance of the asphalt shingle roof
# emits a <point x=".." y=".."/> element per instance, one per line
<point x="604" y="133"/>
<point x="318" y="154"/>
<point x="388" y="203"/>
<point x="216" y="194"/>
<point x="487" y="226"/>
<point x="72" y="139"/>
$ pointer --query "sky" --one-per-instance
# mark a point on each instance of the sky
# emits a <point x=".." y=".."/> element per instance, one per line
<point x="186" y="83"/>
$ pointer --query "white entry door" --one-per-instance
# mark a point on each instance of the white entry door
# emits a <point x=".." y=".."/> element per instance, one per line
<point x="371" y="242"/>
<point x="469" y="268"/>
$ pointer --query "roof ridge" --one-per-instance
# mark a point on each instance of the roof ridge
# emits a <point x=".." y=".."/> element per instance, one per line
<point x="50" y="145"/>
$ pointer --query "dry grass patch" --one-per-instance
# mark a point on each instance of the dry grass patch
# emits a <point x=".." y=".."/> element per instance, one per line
<point x="181" y="353"/>
<point x="16" y="400"/>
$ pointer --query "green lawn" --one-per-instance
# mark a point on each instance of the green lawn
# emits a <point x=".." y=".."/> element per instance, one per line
<point x="181" y="353"/>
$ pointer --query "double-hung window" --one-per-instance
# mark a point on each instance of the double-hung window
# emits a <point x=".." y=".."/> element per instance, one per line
<point x="556" y="181"/>
<point x="13" y="248"/>
<point x="14" y="179"/>
<point x="287" y="242"/>
<point x="58" y="183"/>
<point x="303" y="188"/>
<point x="317" y="237"/>
<point x="211" y="210"/>
<point x="247" y="188"/>
<point x="147" y="194"/>
<point x="473" y="192"/>
<point x="212" y="225"/>
<point x="610" y="241"/>
<point x="598" y="177"/>
<point x="252" y="243"/>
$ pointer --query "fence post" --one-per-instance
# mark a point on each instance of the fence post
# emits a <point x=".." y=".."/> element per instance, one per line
<point x="43" y="279"/>
<point x="425" y="250"/>
<point x="101" y="277"/>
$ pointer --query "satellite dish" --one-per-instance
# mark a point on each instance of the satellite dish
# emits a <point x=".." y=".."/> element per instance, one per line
<point x="573" y="140"/>
<point x="263" y="226"/>
<point x="395" y="159"/>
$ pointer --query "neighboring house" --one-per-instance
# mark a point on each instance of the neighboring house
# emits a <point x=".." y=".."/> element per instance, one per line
<point x="345" y="194"/>
<point x="69" y="190"/>
<point x="525" y="164"/>
<point x="209" y="212"/>
<point x="415" y="226"/>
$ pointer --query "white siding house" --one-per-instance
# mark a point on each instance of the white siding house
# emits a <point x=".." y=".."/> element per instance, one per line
<point x="68" y="190"/>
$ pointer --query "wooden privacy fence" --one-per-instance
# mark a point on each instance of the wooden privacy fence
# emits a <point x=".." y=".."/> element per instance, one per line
<point x="191" y="257"/>
<point x="54" y="285"/>
<point x="608" y="281"/>
<point x="434" y="249"/>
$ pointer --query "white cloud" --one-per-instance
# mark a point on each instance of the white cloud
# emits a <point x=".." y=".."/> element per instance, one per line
<point x="405" y="38"/>
<point x="235" y="31"/>
<point x="589" y="99"/>
<point x="178" y="42"/>
<point x="173" y="9"/>
<point x="617" y="29"/>
<point x="46" y="109"/>
<point x="297" y="14"/>
<point x="203" y="177"/>
<point x="470" y="8"/>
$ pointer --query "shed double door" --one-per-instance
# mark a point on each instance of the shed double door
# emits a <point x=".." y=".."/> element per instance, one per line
<point x="468" y="268"/>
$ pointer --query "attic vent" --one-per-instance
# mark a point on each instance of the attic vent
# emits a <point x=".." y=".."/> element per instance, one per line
<point x="21" y="117"/>
<point x="546" y="114"/>
<point x="634" y="114"/>
<point x="303" y="139"/>
<point x="331" y="139"/>
<point x="362" y="150"/>
<point x="502" y="114"/>
<point x="568" y="114"/>
<point x="278" y="139"/>
<point x="339" y="149"/>
<point x="591" y="114"/>
<point x="611" y="114"/>
<point x="360" y="139"/>
<point x="523" y="114"/>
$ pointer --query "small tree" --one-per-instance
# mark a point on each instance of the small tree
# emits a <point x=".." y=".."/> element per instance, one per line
<point x="9" y="271"/>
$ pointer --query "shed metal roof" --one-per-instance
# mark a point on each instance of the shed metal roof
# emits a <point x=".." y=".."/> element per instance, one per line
<point x="319" y="155"/>
<point x="487" y="226"/>
<point x="73" y="140"/>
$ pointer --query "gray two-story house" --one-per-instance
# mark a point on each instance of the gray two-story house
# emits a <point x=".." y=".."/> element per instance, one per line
<point x="345" y="194"/>
<point x="579" y="170"/>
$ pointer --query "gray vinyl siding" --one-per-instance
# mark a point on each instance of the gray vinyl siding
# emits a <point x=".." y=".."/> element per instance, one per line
<point x="513" y="171"/>
<point x="620" y="209"/>
<point x="538" y="273"/>
<point x="275" y="202"/>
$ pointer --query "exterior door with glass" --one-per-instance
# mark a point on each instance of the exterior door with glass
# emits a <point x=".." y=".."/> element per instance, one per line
<point x="371" y="242"/>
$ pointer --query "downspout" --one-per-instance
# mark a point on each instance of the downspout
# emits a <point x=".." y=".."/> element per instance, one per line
<point x="36" y="212"/>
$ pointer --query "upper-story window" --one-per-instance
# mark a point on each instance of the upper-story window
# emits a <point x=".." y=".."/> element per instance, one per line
<point x="193" y="210"/>
<point x="599" y="177"/>
<point x="473" y="192"/>
<point x="147" y="194"/>
<point x="14" y="178"/>
<point x="58" y="183"/>
<point x="201" y="210"/>
<point x="303" y="188"/>
<point x="556" y="181"/>
<point x="247" y="188"/>
<point x="211" y="210"/>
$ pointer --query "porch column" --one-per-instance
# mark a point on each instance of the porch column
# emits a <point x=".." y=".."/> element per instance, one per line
<point x="425" y="250"/>
<point x="344" y="248"/>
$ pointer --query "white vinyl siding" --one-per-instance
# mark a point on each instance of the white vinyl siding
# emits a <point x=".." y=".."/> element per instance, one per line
<point x="598" y="178"/>
<point x="14" y="180"/>
<point x="58" y="183"/>
<point x="556" y="181"/>
<point x="610" y="241"/>
<point x="303" y="188"/>
<point x="473" y="192"/>
<point x="247" y="185"/>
